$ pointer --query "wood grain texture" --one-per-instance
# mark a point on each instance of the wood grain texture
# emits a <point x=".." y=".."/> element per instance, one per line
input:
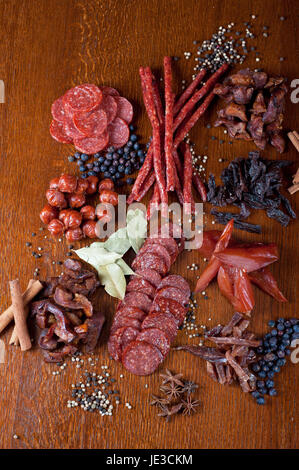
<point x="46" y="47"/>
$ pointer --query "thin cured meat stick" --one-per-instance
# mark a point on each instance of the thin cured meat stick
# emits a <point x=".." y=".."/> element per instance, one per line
<point x="147" y="185"/>
<point x="154" y="202"/>
<point x="169" y="102"/>
<point x="142" y="174"/>
<point x="199" y="95"/>
<point x="199" y="186"/>
<point x="188" y="170"/>
<point x="188" y="91"/>
<point x="14" y="337"/>
<point x="178" y="164"/>
<point x="178" y="189"/>
<point x="19" y="315"/>
<point x="187" y="126"/>
<point x="28" y="295"/>
<point x="157" y="101"/>
<point x="156" y="135"/>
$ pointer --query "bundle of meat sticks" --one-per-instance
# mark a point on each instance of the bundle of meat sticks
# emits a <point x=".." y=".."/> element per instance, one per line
<point x="168" y="163"/>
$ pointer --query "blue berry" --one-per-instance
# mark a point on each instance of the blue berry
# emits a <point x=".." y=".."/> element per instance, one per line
<point x="266" y="368"/>
<point x="96" y="169"/>
<point x="296" y="328"/>
<point x="77" y="155"/>
<point x="273" y="341"/>
<point x="272" y="392"/>
<point x="91" y="173"/>
<point x="129" y="143"/>
<point x="281" y="362"/>
<point x="107" y="174"/>
<point x="117" y="175"/>
<point x="274" y="332"/>
<point x="133" y="137"/>
<point x="130" y="181"/>
<point x="280" y="326"/>
<point x="276" y="369"/>
<point x="101" y="159"/>
<point x="84" y="157"/>
<point x="271" y="323"/>
<point x="271" y="374"/>
<point x="281" y="354"/>
<point x="121" y="168"/>
<point x="110" y="149"/>
<point x="131" y="127"/>
<point x="269" y="383"/>
<point x="288" y="352"/>
<point x="136" y="146"/>
<point x="262" y="374"/>
<point x="103" y="168"/>
<point x="112" y="170"/>
<point x="260" y="401"/>
<point x="128" y="170"/>
<point x="120" y="151"/>
<point x="263" y="391"/>
<point x="255" y="394"/>
<point x="97" y="155"/>
<point x="71" y="158"/>
<point x="126" y="149"/>
<point x="140" y="153"/>
<point x="82" y="168"/>
<point x="84" y="175"/>
<point x="260" y="383"/>
<point x="256" y="368"/>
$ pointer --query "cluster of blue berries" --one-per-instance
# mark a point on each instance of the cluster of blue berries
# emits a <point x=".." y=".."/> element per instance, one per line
<point x="114" y="163"/>
<point x="273" y="353"/>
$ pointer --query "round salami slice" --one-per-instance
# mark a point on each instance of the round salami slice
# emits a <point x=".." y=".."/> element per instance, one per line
<point x="158" y="250"/>
<point x="119" y="340"/>
<point x="137" y="299"/>
<point x="91" y="124"/>
<point x="150" y="275"/>
<point x="124" y="109"/>
<point x="108" y="90"/>
<point x="152" y="261"/>
<point x="70" y="128"/>
<point x="108" y="104"/>
<point x="171" y="306"/>
<point x="156" y="337"/>
<point x="174" y="293"/>
<point x="131" y="312"/>
<point x="175" y="280"/>
<point x="141" y="358"/>
<point x="141" y="285"/>
<point x="118" y="133"/>
<point x="165" y="321"/>
<point x="83" y="98"/>
<point x="58" y="133"/>
<point x="57" y="110"/>
<point x="123" y="321"/>
<point x="90" y="145"/>
<point x="168" y="242"/>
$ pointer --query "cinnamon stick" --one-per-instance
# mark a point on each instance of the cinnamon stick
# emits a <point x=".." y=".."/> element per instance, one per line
<point x="19" y="315"/>
<point x="294" y="188"/>
<point x="28" y="295"/>
<point x="293" y="138"/>
<point x="14" y="337"/>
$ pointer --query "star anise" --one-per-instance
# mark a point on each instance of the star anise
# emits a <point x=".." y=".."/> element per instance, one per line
<point x="168" y="377"/>
<point x="171" y="390"/>
<point x="166" y="411"/>
<point x="189" y="387"/>
<point x="159" y="401"/>
<point x="189" y="406"/>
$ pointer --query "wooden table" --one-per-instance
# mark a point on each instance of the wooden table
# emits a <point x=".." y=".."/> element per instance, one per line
<point x="46" y="47"/>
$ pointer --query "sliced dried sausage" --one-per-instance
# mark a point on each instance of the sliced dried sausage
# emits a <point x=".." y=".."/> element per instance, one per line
<point x="123" y="321"/>
<point x="90" y="145"/>
<point x="149" y="260"/>
<point x="168" y="242"/>
<point x="170" y="306"/>
<point x="158" y="250"/>
<point x="128" y="311"/>
<point x="118" y="133"/>
<point x="58" y="133"/>
<point x="91" y="124"/>
<point x="141" y="285"/>
<point x="150" y="275"/>
<point x="124" y="109"/>
<point x="108" y="90"/>
<point x="57" y="110"/>
<point x="83" y="98"/>
<point x="120" y="339"/>
<point x="173" y="293"/>
<point x="108" y="104"/>
<point x="156" y="337"/>
<point x="137" y="299"/>
<point x="141" y="358"/>
<point x="165" y="321"/>
<point x="177" y="281"/>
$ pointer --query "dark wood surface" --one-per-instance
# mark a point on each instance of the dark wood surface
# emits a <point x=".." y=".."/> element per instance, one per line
<point x="46" y="47"/>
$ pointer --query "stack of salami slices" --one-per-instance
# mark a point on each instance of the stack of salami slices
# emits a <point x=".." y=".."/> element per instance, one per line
<point x="147" y="320"/>
<point x="92" y="118"/>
